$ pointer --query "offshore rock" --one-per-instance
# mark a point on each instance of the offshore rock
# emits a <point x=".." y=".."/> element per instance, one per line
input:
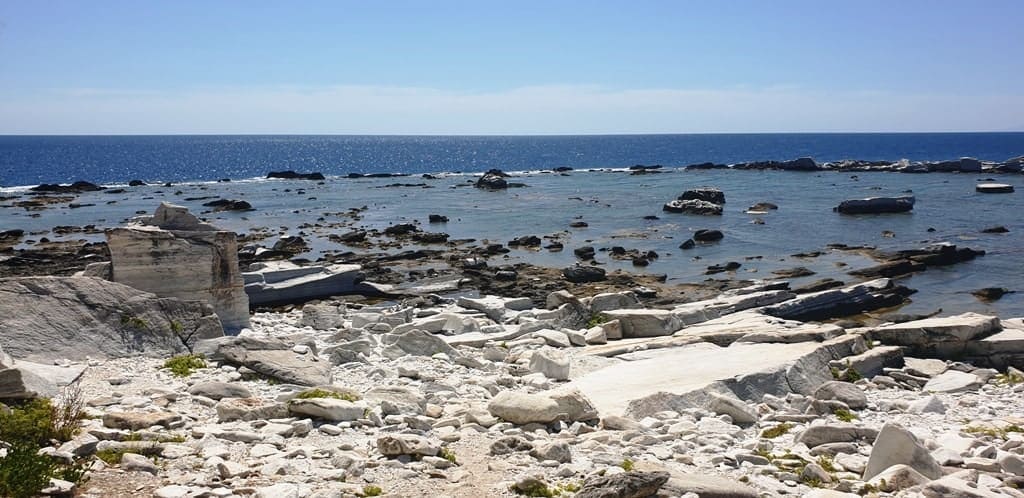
<point x="874" y="205"/>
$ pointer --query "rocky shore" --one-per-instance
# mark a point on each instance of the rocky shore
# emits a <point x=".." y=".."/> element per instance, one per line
<point x="209" y="363"/>
<point x="585" y="396"/>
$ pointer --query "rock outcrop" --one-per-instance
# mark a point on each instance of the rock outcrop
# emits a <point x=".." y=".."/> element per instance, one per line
<point x="50" y="318"/>
<point x="173" y="254"/>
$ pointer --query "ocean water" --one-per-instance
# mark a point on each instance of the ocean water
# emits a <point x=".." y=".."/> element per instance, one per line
<point x="612" y="203"/>
<point x="31" y="160"/>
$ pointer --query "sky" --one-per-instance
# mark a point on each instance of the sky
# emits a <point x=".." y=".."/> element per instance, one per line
<point x="522" y="67"/>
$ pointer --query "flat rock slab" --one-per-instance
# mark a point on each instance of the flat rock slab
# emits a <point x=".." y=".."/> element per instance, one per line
<point x="283" y="365"/>
<point x="958" y="328"/>
<point x="953" y="381"/>
<point x="677" y="378"/>
<point x="1000" y="350"/>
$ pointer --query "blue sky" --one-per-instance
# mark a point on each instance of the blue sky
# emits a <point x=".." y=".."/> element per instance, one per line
<point x="524" y="67"/>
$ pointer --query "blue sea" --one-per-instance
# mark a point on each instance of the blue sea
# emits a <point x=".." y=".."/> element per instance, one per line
<point x="31" y="160"/>
<point x="612" y="202"/>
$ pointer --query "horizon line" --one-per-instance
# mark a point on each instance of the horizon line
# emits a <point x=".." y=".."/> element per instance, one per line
<point x="615" y="134"/>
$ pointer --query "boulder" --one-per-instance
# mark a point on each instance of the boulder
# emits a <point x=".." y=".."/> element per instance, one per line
<point x="645" y="322"/>
<point x="707" y="235"/>
<point x="817" y="435"/>
<point x="248" y="409"/>
<point x="334" y="410"/>
<point x="524" y="408"/>
<point x="493" y="180"/>
<point x="707" y="486"/>
<point x="846" y="392"/>
<point x="953" y="381"/>
<point x="584" y="274"/>
<point x="136" y="421"/>
<point x="324" y="316"/>
<point x="270" y="359"/>
<point x="554" y="450"/>
<point x="219" y="390"/>
<point x="740" y="412"/>
<point x="172" y="255"/>
<point x="407" y="444"/>
<point x="49" y="318"/>
<point x="897" y="478"/>
<point x="396" y="400"/>
<point x="553" y="364"/>
<point x="415" y="343"/>
<point x="692" y="207"/>
<point x="630" y="484"/>
<point x="896" y="445"/>
<point x="875" y="205"/>
<point x="707" y="194"/>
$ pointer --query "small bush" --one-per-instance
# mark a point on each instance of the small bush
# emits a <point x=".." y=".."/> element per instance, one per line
<point x="30" y="423"/>
<point x="448" y="454"/>
<point x="827" y="463"/>
<point x="322" y="393"/>
<point x="111" y="456"/>
<point x="177" y="327"/>
<point x="627" y="465"/>
<point x="596" y="320"/>
<point x="778" y="430"/>
<point x="184" y="365"/>
<point x="31" y="426"/>
<point x="371" y="490"/>
<point x="845" y="415"/>
<point x="536" y="490"/>
<point x="24" y="472"/>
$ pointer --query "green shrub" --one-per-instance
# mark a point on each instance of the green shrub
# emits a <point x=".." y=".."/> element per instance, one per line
<point x="778" y="430"/>
<point x="845" y="415"/>
<point x="323" y="393"/>
<point x="24" y="472"/>
<point x="371" y="490"/>
<point x="28" y="428"/>
<point x="184" y="365"/>
<point x="596" y="320"/>
<point x="30" y="423"/>
<point x="536" y="490"/>
<point x="627" y="465"/>
<point x="111" y="456"/>
<point x="448" y="454"/>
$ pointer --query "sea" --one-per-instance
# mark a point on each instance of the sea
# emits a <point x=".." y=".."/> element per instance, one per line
<point x="599" y="191"/>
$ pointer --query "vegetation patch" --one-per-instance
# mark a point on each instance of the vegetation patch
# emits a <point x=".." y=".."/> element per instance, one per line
<point x="323" y="393"/>
<point x="448" y="454"/>
<point x="184" y="365"/>
<point x="31" y="426"/>
<point x="134" y="322"/>
<point x="371" y="490"/>
<point x="845" y="415"/>
<point x="596" y="320"/>
<point x="627" y="465"/>
<point x="778" y="430"/>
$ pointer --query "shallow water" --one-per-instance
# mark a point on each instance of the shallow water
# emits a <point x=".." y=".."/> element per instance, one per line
<point x="614" y="204"/>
